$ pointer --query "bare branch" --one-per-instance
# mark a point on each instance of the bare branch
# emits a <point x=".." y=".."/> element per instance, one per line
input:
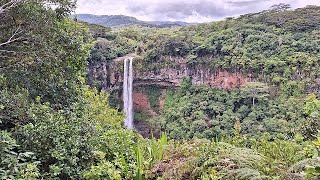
<point x="10" y="41"/>
<point x="6" y="51"/>
<point x="7" y="6"/>
<point x="13" y="38"/>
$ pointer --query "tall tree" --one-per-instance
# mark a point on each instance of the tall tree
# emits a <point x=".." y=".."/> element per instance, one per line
<point x="255" y="90"/>
<point x="42" y="50"/>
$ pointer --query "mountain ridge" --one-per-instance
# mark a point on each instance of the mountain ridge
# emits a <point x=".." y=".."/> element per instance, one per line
<point x="123" y="20"/>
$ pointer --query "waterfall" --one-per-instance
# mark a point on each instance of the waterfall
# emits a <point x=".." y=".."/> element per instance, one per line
<point x="127" y="92"/>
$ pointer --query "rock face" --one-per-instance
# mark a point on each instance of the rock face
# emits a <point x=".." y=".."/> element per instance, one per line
<point x="199" y="76"/>
<point x="141" y="103"/>
<point x="110" y="75"/>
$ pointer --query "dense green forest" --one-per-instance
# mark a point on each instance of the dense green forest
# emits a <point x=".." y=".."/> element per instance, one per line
<point x="54" y="126"/>
<point x="279" y="48"/>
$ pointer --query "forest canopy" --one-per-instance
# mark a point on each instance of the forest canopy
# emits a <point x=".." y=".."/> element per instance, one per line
<point x="54" y="126"/>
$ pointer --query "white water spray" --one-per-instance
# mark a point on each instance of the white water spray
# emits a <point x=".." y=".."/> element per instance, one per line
<point x="127" y="92"/>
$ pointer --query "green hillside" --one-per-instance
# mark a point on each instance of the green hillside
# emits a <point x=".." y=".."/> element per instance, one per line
<point x="122" y="21"/>
<point x="279" y="48"/>
<point x="53" y="125"/>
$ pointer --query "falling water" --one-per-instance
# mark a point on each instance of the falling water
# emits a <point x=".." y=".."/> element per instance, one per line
<point x="127" y="93"/>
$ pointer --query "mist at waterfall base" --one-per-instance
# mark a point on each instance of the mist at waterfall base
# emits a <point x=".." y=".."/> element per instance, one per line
<point x="127" y="92"/>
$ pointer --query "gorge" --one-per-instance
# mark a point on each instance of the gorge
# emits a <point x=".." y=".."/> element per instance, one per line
<point x="109" y="77"/>
<point x="231" y="99"/>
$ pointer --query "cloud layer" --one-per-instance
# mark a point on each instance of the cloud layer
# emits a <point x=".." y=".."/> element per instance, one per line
<point x="182" y="10"/>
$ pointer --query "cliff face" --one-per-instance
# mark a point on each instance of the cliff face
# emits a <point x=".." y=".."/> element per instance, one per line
<point x="110" y="75"/>
<point x="199" y="75"/>
<point x="141" y="103"/>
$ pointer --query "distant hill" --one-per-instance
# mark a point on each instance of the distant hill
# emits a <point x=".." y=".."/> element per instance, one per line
<point x="121" y="21"/>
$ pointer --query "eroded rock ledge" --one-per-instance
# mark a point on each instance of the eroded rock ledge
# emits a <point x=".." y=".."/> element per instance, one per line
<point x="109" y="75"/>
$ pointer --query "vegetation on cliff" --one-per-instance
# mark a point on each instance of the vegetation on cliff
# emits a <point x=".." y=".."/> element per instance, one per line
<point x="53" y="126"/>
<point x="277" y="46"/>
<point x="277" y="49"/>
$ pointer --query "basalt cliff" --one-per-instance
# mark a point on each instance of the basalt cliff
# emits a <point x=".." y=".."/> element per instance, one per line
<point x="109" y="77"/>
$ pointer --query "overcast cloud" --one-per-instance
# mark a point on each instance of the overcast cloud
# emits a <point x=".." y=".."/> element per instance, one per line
<point x="182" y="10"/>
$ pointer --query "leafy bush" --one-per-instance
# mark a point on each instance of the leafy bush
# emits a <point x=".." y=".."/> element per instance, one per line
<point x="236" y="158"/>
<point x="64" y="140"/>
<point x="15" y="165"/>
<point x="103" y="170"/>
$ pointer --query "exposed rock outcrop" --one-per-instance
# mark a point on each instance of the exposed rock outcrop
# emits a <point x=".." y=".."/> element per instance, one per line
<point x="141" y="103"/>
<point x="162" y="76"/>
<point x="110" y="76"/>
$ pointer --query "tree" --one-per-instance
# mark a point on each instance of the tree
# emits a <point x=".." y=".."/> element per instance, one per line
<point x="49" y="56"/>
<point x="255" y="90"/>
<point x="280" y="7"/>
<point x="312" y="123"/>
<point x="27" y="28"/>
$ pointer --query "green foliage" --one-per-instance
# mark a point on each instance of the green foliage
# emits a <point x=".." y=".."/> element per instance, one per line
<point x="282" y="153"/>
<point x="44" y="102"/>
<point x="153" y="93"/>
<point x="118" y="146"/>
<point x="281" y="60"/>
<point x="238" y="158"/>
<point x="148" y="153"/>
<point x="112" y="44"/>
<point x="103" y="51"/>
<point x="139" y="158"/>
<point x="52" y="126"/>
<point x="30" y="172"/>
<point x="55" y="75"/>
<point x="29" y="28"/>
<point x="273" y="46"/>
<point x="15" y="164"/>
<point x="140" y="116"/>
<point x="313" y="170"/>
<point x="103" y="170"/>
<point x="14" y="105"/>
<point x="156" y="149"/>
<point x="311" y="108"/>
<point x="255" y="90"/>
<point x="64" y="140"/>
<point x="204" y="112"/>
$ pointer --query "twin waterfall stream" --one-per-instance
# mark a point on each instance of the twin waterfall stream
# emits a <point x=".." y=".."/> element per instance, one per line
<point x="127" y="92"/>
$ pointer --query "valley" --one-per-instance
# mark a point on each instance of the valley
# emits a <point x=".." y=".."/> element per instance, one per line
<point x="112" y="97"/>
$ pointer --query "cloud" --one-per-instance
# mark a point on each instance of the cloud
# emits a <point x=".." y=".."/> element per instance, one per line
<point x="182" y="10"/>
<point x="179" y="9"/>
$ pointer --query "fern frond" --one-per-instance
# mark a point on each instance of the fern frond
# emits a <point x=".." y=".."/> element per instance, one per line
<point x="246" y="174"/>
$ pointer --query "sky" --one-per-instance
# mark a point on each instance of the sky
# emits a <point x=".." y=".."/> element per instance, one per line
<point x="182" y="10"/>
